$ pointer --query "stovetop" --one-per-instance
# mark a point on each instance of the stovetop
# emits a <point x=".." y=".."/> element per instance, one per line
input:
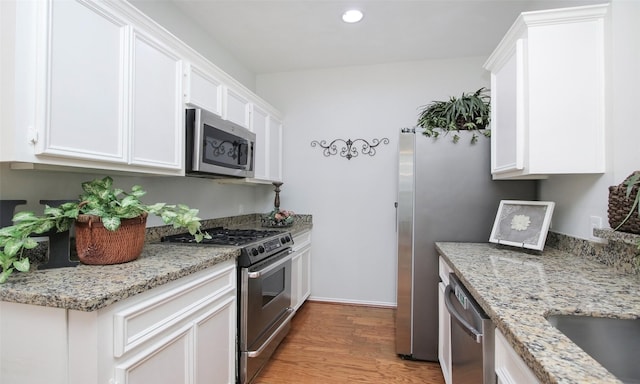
<point x="225" y="236"/>
<point x="256" y="244"/>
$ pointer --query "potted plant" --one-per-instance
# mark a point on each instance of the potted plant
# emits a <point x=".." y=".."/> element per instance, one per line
<point x="278" y="218"/>
<point x="624" y="205"/>
<point x="109" y="222"/>
<point x="472" y="112"/>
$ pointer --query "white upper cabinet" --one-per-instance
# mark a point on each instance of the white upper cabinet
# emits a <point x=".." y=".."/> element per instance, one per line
<point x="203" y="90"/>
<point x="268" y="148"/>
<point x="98" y="85"/>
<point x="259" y="126"/>
<point x="81" y="69"/>
<point x="275" y="148"/>
<point x="102" y="89"/>
<point x="237" y="107"/>
<point x="157" y="138"/>
<point x="548" y="94"/>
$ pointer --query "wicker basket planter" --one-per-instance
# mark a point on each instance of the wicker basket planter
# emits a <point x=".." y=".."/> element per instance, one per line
<point x="619" y="207"/>
<point x="98" y="246"/>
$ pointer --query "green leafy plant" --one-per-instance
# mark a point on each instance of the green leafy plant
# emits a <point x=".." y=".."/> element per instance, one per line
<point x="278" y="218"/>
<point x="632" y="182"/>
<point x="471" y="112"/>
<point x="100" y="199"/>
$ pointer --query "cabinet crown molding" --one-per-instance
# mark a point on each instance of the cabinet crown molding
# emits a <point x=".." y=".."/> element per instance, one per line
<point x="526" y="20"/>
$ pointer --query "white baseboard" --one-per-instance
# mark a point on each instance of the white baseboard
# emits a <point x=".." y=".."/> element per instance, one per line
<point x="352" y="302"/>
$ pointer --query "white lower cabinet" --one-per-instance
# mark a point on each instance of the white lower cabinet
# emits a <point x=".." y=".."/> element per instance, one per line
<point x="181" y="332"/>
<point x="510" y="369"/>
<point x="301" y="269"/>
<point x="444" y="324"/>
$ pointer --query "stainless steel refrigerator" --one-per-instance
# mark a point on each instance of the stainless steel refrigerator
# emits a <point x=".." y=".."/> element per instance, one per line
<point x="445" y="193"/>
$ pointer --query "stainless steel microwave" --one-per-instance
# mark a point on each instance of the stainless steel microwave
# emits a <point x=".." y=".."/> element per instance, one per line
<point x="217" y="148"/>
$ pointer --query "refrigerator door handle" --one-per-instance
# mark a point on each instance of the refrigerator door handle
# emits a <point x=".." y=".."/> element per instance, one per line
<point x="396" y="205"/>
<point x="468" y="328"/>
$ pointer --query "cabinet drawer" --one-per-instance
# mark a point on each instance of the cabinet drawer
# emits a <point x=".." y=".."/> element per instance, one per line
<point x="301" y="240"/>
<point x="146" y="319"/>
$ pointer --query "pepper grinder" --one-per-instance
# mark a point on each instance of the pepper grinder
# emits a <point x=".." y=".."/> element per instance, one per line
<point x="276" y="201"/>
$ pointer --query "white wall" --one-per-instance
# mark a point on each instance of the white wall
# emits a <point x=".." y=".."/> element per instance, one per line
<point x="175" y="21"/>
<point x="580" y="197"/>
<point x="352" y="201"/>
<point x="210" y="197"/>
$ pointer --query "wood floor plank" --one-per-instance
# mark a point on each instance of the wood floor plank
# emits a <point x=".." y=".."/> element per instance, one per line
<point x="335" y="343"/>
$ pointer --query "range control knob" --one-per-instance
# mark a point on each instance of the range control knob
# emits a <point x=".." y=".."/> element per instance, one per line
<point x="254" y="252"/>
<point x="261" y="249"/>
<point x="283" y="240"/>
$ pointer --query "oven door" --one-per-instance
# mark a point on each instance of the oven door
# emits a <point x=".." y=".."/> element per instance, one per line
<point x="265" y="311"/>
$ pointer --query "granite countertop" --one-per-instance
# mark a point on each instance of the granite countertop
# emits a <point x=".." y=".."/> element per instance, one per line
<point x="91" y="287"/>
<point x="518" y="289"/>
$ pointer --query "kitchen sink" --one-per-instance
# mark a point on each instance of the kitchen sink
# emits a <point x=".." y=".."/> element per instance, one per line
<point x="614" y="343"/>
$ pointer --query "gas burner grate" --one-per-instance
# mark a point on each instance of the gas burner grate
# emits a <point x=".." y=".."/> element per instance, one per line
<point x="224" y="236"/>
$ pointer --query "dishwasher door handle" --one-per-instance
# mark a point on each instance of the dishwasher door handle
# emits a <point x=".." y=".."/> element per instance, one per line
<point x="468" y="328"/>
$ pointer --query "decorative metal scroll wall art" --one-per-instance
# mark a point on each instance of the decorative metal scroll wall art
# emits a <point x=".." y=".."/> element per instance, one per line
<point x="349" y="148"/>
<point x="233" y="150"/>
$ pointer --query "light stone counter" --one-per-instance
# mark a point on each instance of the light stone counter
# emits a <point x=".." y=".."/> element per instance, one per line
<point x="91" y="287"/>
<point x="519" y="289"/>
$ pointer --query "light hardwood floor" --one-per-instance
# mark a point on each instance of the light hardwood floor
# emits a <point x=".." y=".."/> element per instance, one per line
<point x="335" y="343"/>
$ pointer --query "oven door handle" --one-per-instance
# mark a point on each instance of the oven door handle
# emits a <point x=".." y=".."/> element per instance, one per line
<point x="264" y="345"/>
<point x="270" y="267"/>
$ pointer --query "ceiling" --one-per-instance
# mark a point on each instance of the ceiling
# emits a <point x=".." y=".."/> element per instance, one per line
<point x="286" y="35"/>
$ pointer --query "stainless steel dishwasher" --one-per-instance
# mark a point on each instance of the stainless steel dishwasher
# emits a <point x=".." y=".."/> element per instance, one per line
<point x="472" y="337"/>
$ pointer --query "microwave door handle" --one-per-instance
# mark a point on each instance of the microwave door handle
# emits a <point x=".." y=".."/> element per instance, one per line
<point x="198" y="140"/>
<point x="468" y="328"/>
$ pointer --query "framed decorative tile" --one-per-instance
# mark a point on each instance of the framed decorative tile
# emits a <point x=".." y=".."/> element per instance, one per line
<point x="522" y="224"/>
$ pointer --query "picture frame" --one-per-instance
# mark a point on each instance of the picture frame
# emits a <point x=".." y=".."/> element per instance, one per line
<point x="522" y="224"/>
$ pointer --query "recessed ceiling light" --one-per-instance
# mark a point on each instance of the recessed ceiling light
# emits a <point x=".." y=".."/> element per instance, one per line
<point x="352" y="16"/>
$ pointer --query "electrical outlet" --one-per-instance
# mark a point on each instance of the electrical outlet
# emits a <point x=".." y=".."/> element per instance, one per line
<point x="241" y="209"/>
<point x="595" y="222"/>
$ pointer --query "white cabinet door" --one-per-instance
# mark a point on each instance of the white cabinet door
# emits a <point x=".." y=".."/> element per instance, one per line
<point x="444" y="336"/>
<point x="275" y="149"/>
<point x="168" y="362"/>
<point x="301" y="269"/>
<point x="260" y="126"/>
<point x="507" y="132"/>
<point x="157" y="138"/>
<point x="85" y="109"/>
<point x="444" y="322"/>
<point x="548" y="101"/>
<point x="510" y="369"/>
<point x="203" y="90"/>
<point x="237" y="107"/>
<point x="268" y="148"/>
<point x="215" y="344"/>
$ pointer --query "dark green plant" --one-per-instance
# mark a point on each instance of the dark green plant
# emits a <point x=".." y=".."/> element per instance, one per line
<point x="471" y="112"/>
<point x="101" y="199"/>
<point x="630" y="183"/>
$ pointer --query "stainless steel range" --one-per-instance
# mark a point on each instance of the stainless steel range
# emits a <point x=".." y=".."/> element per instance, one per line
<point x="264" y="291"/>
